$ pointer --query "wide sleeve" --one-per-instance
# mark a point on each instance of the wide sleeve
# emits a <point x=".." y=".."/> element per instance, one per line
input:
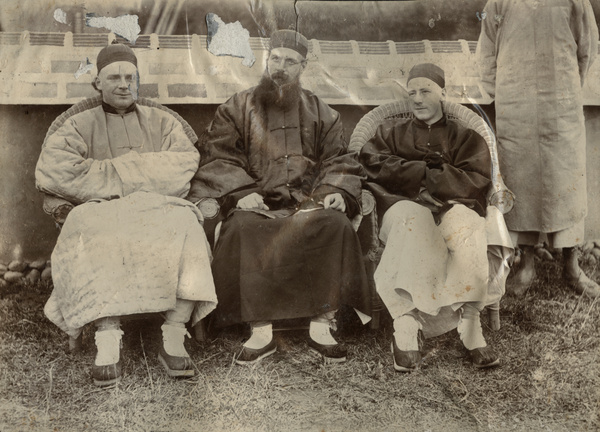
<point x="586" y="35"/>
<point x="66" y="170"/>
<point x="337" y="170"/>
<point x="487" y="46"/>
<point x="388" y="163"/>
<point x="224" y="162"/>
<point x="467" y="176"/>
<point x="167" y="172"/>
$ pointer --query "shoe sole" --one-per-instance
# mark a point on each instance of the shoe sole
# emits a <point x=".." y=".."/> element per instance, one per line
<point x="259" y="358"/>
<point x="403" y="369"/>
<point x="176" y="373"/>
<point x="488" y="365"/>
<point x="399" y="368"/>
<point x="106" y="383"/>
<point x="328" y="359"/>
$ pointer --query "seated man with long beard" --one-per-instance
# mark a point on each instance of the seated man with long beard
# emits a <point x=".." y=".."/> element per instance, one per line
<point x="275" y="158"/>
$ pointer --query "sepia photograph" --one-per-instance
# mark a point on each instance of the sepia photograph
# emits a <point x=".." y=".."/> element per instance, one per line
<point x="299" y="215"/>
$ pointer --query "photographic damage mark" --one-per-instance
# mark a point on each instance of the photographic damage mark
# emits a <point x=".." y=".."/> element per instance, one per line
<point x="60" y="16"/>
<point x="125" y="26"/>
<point x="229" y="39"/>
<point x="84" y="67"/>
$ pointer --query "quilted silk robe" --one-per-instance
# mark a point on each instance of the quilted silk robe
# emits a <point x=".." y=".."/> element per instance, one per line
<point x="132" y="244"/>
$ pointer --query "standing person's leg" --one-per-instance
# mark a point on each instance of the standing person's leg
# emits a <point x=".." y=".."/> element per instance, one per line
<point x="573" y="275"/>
<point x="525" y="271"/>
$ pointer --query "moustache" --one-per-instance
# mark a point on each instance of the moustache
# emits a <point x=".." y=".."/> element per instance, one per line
<point x="278" y="75"/>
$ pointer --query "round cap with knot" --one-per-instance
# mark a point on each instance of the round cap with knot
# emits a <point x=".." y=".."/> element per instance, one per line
<point x="290" y="39"/>
<point x="429" y="71"/>
<point x="115" y="53"/>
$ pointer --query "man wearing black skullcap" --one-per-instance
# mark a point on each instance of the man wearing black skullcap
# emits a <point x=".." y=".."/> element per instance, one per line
<point x="276" y="159"/>
<point x="132" y="244"/>
<point x="430" y="176"/>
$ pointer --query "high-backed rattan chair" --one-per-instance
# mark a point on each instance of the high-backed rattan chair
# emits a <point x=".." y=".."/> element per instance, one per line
<point x="499" y="195"/>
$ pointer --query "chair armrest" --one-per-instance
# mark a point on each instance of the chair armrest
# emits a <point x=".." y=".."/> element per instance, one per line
<point x="367" y="206"/>
<point x="368" y="230"/>
<point x="209" y="207"/>
<point x="500" y="196"/>
<point x="368" y="202"/>
<point x="56" y="207"/>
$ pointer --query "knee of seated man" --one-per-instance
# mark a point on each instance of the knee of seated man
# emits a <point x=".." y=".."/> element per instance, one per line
<point x="329" y="217"/>
<point x="333" y="215"/>
<point x="405" y="211"/>
<point x="239" y="219"/>
<point x="460" y="212"/>
<point x="463" y="222"/>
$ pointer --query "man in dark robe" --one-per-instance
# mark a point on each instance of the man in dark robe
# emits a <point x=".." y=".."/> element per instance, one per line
<point x="430" y="176"/>
<point x="275" y="158"/>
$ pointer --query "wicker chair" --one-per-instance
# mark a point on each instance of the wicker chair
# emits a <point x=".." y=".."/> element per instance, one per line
<point x="499" y="195"/>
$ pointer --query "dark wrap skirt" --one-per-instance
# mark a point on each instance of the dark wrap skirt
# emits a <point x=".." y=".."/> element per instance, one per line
<point x="293" y="267"/>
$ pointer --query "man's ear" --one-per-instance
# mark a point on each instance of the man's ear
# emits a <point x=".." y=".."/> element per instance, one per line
<point x="303" y="63"/>
<point x="97" y="84"/>
<point x="443" y="94"/>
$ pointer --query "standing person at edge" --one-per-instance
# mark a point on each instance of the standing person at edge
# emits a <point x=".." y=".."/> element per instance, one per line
<point x="533" y="58"/>
<point x="132" y="244"/>
<point x="276" y="159"/>
<point x="430" y="176"/>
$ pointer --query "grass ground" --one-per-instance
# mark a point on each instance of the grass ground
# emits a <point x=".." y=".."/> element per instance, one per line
<point x="548" y="380"/>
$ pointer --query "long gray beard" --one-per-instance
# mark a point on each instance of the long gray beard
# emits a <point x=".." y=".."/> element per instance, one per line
<point x="284" y="96"/>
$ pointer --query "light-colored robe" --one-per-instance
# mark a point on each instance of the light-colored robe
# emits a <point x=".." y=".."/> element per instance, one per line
<point x="133" y="244"/>
<point x="534" y="56"/>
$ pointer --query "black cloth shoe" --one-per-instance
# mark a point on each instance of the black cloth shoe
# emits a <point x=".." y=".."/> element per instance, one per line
<point x="176" y="367"/>
<point x="405" y="361"/>
<point x="251" y="355"/>
<point x="106" y="375"/>
<point x="330" y="353"/>
<point x="484" y="357"/>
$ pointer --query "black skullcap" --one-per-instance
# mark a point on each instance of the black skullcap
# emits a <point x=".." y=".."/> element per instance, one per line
<point x="115" y="53"/>
<point x="290" y="39"/>
<point x="429" y="71"/>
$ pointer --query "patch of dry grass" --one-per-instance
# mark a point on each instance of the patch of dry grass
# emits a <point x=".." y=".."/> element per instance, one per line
<point x="549" y="343"/>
